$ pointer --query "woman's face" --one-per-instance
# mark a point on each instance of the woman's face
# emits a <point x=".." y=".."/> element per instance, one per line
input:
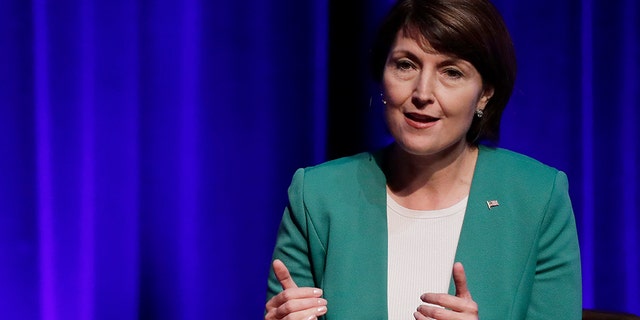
<point x="431" y="98"/>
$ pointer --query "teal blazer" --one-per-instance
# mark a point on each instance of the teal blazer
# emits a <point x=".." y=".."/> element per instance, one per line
<point x="521" y="257"/>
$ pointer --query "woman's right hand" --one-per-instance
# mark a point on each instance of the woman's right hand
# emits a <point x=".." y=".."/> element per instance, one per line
<point x="293" y="302"/>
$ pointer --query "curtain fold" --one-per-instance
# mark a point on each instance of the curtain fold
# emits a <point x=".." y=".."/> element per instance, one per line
<point x="147" y="145"/>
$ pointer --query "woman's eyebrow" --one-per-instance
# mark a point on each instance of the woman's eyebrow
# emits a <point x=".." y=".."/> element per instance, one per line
<point x="403" y="52"/>
<point x="455" y="61"/>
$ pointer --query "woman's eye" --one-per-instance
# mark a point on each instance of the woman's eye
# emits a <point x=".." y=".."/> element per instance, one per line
<point x="453" y="73"/>
<point x="404" y="65"/>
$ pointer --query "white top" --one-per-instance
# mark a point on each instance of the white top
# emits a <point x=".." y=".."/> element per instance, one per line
<point x="422" y="246"/>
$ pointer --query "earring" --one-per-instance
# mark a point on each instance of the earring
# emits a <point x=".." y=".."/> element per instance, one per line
<point x="479" y="113"/>
<point x="382" y="98"/>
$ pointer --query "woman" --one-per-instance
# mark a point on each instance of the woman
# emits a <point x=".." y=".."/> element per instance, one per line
<point x="376" y="235"/>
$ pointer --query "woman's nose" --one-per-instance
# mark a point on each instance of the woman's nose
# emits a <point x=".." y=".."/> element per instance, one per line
<point x="423" y="90"/>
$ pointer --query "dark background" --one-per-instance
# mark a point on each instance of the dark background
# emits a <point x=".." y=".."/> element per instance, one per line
<point x="146" y="146"/>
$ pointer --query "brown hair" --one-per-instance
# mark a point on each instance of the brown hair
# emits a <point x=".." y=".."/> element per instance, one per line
<point x="472" y="30"/>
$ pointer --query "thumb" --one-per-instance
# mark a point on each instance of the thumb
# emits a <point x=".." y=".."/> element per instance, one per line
<point x="460" y="280"/>
<point x="283" y="276"/>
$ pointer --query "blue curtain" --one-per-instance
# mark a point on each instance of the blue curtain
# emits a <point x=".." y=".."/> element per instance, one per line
<point x="575" y="106"/>
<point x="146" y="146"/>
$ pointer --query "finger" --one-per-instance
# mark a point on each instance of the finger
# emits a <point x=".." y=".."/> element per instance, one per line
<point x="310" y="314"/>
<point x="443" y="300"/>
<point x="285" y="312"/>
<point x="306" y="307"/>
<point x="294" y="294"/>
<point x="460" y="280"/>
<point x="431" y="312"/>
<point x="282" y="274"/>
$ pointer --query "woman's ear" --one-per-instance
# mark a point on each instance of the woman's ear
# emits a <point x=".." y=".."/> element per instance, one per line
<point x="487" y="93"/>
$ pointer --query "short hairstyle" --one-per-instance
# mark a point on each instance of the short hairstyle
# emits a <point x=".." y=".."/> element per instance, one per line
<point x="472" y="30"/>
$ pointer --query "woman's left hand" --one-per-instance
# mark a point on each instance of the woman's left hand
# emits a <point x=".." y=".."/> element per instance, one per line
<point x="448" y="307"/>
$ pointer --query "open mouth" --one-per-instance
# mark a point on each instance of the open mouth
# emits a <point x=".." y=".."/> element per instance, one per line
<point x="421" y="118"/>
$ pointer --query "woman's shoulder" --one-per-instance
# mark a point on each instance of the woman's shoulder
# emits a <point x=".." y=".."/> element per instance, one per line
<point x="344" y="163"/>
<point x="504" y="164"/>
<point x="504" y="158"/>
<point x="344" y="171"/>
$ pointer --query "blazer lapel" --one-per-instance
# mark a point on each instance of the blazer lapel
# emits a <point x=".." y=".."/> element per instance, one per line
<point x="478" y="228"/>
<point x="365" y="285"/>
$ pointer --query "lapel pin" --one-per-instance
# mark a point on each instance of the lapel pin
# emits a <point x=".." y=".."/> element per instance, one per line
<point x="492" y="203"/>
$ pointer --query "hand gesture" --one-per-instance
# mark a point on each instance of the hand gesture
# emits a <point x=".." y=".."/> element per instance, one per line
<point x="448" y="307"/>
<point x="293" y="302"/>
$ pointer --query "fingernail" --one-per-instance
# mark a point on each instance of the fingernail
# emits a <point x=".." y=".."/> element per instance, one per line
<point x="322" y="302"/>
<point x="317" y="292"/>
<point x="426" y="297"/>
<point x="322" y="309"/>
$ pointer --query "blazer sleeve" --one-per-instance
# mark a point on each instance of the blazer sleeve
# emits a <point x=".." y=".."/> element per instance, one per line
<point x="557" y="288"/>
<point x="292" y="243"/>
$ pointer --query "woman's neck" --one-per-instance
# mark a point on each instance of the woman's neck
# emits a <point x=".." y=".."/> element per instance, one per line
<point x="431" y="182"/>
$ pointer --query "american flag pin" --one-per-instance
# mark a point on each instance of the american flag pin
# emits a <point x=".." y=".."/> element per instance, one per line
<point x="492" y="203"/>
